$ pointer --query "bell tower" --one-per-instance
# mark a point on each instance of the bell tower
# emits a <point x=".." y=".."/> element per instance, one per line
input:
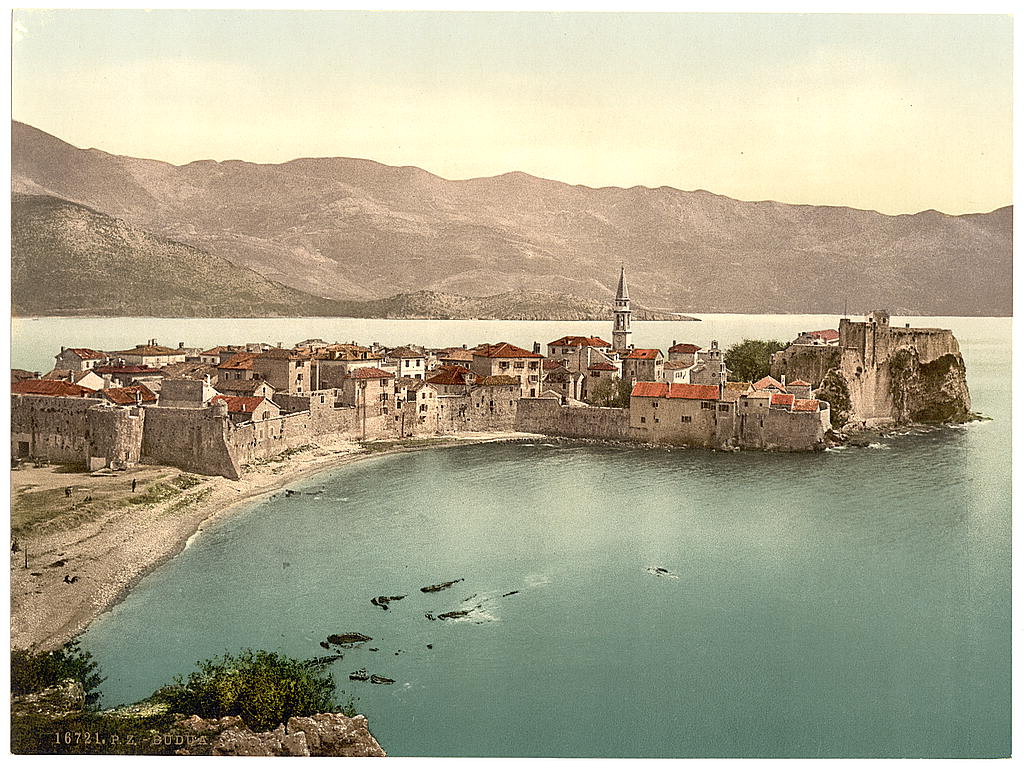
<point x="621" y="334"/>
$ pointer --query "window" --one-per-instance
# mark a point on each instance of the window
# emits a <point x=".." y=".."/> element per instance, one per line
<point x="533" y="365"/>
<point x="533" y="393"/>
<point x="686" y="419"/>
<point x="502" y="364"/>
<point x="384" y="382"/>
<point x="723" y="408"/>
<point x="654" y="403"/>
<point x="298" y="377"/>
<point x="643" y="419"/>
<point x="707" y="405"/>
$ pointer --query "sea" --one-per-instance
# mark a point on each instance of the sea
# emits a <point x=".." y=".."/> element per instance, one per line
<point x="621" y="602"/>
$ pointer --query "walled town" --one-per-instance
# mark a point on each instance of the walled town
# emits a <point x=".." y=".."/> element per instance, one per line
<point x="219" y="410"/>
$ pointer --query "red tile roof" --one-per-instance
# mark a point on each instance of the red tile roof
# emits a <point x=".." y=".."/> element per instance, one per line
<point x="150" y="350"/>
<point x="368" y="373"/>
<point x="17" y="374"/>
<point x="768" y="382"/>
<point x="783" y="399"/>
<point x="462" y="355"/>
<point x="684" y="349"/>
<point x="404" y="352"/>
<point x="806" y="405"/>
<point x="580" y="341"/>
<point x="502" y="350"/>
<point x="798" y="383"/>
<point x="128" y="395"/>
<point x="643" y="354"/>
<point x="38" y="386"/>
<point x="551" y="364"/>
<point x="675" y="391"/>
<point x="133" y="370"/>
<point x="281" y="354"/>
<point x="693" y="391"/>
<point x="217" y="350"/>
<point x="240" y="361"/>
<point x="88" y="354"/>
<point x="649" y="389"/>
<point x="601" y="366"/>
<point x="239" y="403"/>
<point x="449" y="375"/>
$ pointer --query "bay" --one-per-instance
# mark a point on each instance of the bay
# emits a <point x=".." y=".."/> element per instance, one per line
<point x="848" y="603"/>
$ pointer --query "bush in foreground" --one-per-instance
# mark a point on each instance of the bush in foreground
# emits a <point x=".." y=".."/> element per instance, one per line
<point x="264" y="688"/>
<point x="35" y="670"/>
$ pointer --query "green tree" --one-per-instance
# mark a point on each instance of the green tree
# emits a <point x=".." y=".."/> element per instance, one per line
<point x="613" y="393"/>
<point x="264" y="688"/>
<point x="35" y="670"/>
<point x="751" y="360"/>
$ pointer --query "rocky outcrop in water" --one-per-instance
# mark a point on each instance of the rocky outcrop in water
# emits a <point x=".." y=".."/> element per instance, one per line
<point x="931" y="392"/>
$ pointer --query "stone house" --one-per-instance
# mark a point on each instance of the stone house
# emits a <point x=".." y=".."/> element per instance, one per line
<point x="709" y="367"/>
<point x="246" y="409"/>
<point x="415" y="407"/>
<point x="151" y="355"/>
<point x="407" y="362"/>
<point x="79" y="359"/>
<point x="216" y="355"/>
<point x="597" y="374"/>
<point x="455" y="356"/>
<point x="643" y="365"/>
<point x="50" y="388"/>
<point x="138" y="394"/>
<point x="124" y="375"/>
<point x="683" y="353"/>
<point x="676" y="414"/>
<point x="676" y="371"/>
<point x="331" y="365"/>
<point x="247" y="388"/>
<point x="186" y="393"/>
<point x="287" y="370"/>
<point x="237" y="368"/>
<point x="451" y="380"/>
<point x="577" y="351"/>
<point x="370" y="390"/>
<point x="818" y="338"/>
<point x="505" y="359"/>
<point x="85" y="378"/>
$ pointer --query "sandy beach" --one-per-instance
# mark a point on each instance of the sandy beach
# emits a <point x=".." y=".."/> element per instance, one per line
<point x="109" y="553"/>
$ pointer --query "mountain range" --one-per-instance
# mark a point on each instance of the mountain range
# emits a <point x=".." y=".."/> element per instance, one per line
<point x="345" y="233"/>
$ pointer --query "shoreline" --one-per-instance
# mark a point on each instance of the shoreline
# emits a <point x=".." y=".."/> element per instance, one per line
<point x="114" y="552"/>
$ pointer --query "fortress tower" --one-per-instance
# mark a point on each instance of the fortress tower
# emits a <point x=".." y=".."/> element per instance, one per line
<point x="621" y="334"/>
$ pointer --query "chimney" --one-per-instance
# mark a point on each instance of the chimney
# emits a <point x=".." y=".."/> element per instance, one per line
<point x="106" y="381"/>
<point x="181" y="344"/>
<point x="673" y="342"/>
<point x="280" y="344"/>
<point x="536" y="347"/>
<point x="63" y="349"/>
<point x="36" y="375"/>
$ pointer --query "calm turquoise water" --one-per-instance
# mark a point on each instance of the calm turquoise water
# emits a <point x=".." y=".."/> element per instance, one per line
<point x="850" y="603"/>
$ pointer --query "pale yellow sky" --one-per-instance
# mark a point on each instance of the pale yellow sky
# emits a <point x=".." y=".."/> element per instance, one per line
<point x="894" y="113"/>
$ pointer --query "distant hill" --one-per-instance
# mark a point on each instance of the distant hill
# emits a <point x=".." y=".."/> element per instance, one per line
<point x="68" y="259"/>
<point x="427" y="304"/>
<point x="353" y="229"/>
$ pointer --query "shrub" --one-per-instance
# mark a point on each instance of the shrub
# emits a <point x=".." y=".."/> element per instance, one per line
<point x="264" y="688"/>
<point x="751" y="360"/>
<point x="35" y="670"/>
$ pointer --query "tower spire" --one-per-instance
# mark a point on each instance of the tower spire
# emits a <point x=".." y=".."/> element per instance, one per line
<point x="621" y="334"/>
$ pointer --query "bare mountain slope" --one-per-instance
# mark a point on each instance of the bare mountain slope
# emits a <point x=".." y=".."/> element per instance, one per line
<point x="355" y="229"/>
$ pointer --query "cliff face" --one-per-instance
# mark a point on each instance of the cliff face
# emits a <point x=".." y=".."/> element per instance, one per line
<point x="928" y="392"/>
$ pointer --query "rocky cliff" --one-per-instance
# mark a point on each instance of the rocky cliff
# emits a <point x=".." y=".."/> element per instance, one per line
<point x="880" y="375"/>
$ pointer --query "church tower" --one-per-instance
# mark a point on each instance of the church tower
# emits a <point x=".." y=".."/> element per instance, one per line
<point x="621" y="334"/>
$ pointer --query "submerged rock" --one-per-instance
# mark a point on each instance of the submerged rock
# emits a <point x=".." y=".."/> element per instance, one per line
<point x="441" y="586"/>
<point x="454" y="615"/>
<point x="359" y="676"/>
<point x="347" y="639"/>
<point x="378" y="679"/>
<point x="384" y="601"/>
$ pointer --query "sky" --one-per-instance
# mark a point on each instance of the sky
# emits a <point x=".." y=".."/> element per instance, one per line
<point x="896" y="113"/>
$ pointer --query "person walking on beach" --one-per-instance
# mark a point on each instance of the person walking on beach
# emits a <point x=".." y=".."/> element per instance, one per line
<point x="134" y="482"/>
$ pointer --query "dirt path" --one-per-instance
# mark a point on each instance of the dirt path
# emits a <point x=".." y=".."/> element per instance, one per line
<point x="112" y="546"/>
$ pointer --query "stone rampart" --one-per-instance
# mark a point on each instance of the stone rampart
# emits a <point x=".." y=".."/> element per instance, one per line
<point x="53" y="428"/>
<point x="191" y="439"/>
<point x="547" y="417"/>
